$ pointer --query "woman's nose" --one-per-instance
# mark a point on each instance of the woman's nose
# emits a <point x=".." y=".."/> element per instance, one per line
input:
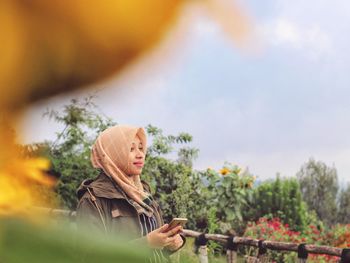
<point x="139" y="154"/>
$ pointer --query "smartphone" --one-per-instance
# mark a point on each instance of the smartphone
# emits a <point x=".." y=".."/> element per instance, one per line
<point x="175" y="222"/>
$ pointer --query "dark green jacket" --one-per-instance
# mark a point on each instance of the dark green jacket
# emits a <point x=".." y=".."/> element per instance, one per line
<point x="117" y="215"/>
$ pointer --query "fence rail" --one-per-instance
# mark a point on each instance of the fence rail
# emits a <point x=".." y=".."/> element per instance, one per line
<point x="272" y="245"/>
<point x="232" y="242"/>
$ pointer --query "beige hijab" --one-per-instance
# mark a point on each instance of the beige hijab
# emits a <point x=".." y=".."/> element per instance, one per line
<point x="111" y="154"/>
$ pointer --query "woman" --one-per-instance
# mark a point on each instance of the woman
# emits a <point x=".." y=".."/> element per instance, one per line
<point x="118" y="202"/>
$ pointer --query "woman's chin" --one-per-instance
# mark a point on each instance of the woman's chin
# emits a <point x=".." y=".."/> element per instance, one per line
<point x="135" y="172"/>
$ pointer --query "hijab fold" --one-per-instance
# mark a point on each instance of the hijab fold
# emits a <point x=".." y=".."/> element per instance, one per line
<point x="110" y="153"/>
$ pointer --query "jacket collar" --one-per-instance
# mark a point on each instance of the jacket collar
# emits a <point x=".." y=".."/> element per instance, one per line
<point x="103" y="186"/>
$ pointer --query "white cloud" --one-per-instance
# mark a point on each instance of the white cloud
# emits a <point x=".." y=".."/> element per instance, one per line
<point x="284" y="32"/>
<point x="310" y="39"/>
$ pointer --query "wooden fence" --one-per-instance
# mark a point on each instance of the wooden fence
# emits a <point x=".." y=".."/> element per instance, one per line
<point x="232" y="242"/>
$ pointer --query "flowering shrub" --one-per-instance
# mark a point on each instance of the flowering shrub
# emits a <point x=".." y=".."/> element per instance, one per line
<point x="340" y="236"/>
<point x="322" y="259"/>
<point x="274" y="230"/>
<point x="337" y="236"/>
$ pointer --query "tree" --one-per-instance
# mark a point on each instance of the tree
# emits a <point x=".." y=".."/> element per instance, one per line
<point x="344" y="206"/>
<point x="172" y="181"/>
<point x="319" y="187"/>
<point x="70" y="152"/>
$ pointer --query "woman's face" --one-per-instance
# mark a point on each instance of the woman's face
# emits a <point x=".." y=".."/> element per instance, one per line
<point x="136" y="157"/>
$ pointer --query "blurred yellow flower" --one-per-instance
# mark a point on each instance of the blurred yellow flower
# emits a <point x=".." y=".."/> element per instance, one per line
<point x="50" y="47"/>
<point x="224" y="171"/>
<point x="18" y="176"/>
<point x="16" y="180"/>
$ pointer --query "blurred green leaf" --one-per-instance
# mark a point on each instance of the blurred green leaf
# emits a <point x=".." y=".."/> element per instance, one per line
<point x="21" y="241"/>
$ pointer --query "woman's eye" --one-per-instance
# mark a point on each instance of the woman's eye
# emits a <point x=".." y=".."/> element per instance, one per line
<point x="132" y="149"/>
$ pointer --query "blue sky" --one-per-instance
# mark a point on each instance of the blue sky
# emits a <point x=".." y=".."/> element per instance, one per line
<point x="269" y="110"/>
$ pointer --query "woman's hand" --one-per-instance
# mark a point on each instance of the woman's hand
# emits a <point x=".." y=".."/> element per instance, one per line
<point x="159" y="239"/>
<point x="178" y="241"/>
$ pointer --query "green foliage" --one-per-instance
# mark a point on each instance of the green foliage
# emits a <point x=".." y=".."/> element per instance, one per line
<point x="172" y="182"/>
<point x="343" y="216"/>
<point x="229" y="192"/>
<point x="213" y="227"/>
<point x="319" y="187"/>
<point x="162" y="144"/>
<point x="70" y="152"/>
<point x="279" y="198"/>
<point x="21" y="241"/>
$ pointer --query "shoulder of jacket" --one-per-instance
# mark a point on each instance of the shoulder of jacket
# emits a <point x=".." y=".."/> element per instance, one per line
<point x="113" y="207"/>
<point x="104" y="187"/>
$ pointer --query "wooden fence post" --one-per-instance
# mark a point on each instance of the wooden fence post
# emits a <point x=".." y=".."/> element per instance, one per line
<point x="302" y="253"/>
<point x="203" y="254"/>
<point x="262" y="257"/>
<point x="345" y="256"/>
<point x="231" y="252"/>
<point x="201" y="244"/>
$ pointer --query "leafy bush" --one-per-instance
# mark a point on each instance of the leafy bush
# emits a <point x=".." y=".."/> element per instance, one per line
<point x="280" y="198"/>
<point x="229" y="190"/>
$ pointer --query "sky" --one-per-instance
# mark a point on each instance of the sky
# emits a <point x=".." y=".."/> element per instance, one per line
<point x="270" y="109"/>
